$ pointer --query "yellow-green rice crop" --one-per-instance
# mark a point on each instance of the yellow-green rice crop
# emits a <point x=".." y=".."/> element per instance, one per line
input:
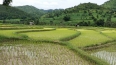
<point x="51" y="35"/>
<point x="14" y="33"/>
<point x="18" y="26"/>
<point x="8" y="33"/>
<point x="89" y="37"/>
<point x="110" y="33"/>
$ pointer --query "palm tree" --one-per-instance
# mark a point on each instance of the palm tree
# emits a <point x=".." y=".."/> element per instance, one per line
<point x="7" y="2"/>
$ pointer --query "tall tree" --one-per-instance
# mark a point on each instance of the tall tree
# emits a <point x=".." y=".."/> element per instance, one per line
<point x="7" y="2"/>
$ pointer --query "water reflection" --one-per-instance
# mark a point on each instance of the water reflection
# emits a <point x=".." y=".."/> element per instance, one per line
<point x="39" y="54"/>
<point x="110" y="57"/>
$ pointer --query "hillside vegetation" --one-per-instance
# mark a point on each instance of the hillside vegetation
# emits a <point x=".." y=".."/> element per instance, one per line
<point x="11" y="13"/>
<point x="110" y="4"/>
<point x="31" y="10"/>
<point x="86" y="14"/>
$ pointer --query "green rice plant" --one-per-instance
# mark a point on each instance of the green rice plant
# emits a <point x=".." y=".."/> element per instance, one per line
<point x="110" y="33"/>
<point x="15" y="28"/>
<point x="36" y="30"/>
<point x="11" y="33"/>
<point x="8" y="33"/>
<point x="18" y="26"/>
<point x="70" y="37"/>
<point x="2" y="38"/>
<point x="15" y="33"/>
<point x="51" y="35"/>
<point x="89" y="37"/>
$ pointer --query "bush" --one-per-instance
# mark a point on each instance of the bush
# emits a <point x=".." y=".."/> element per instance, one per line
<point x="66" y="18"/>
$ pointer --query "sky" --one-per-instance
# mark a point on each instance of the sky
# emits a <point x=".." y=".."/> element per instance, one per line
<point x="53" y="4"/>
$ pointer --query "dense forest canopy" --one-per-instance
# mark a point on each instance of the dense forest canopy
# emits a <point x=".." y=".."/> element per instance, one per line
<point x="11" y="13"/>
<point x="32" y="10"/>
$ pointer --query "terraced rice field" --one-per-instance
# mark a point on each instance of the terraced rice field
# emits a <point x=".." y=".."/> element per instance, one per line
<point x="31" y="52"/>
<point x="51" y="35"/>
<point x="37" y="53"/>
<point x="89" y="37"/>
<point x="110" y="33"/>
<point x="108" y="54"/>
<point x="15" y="27"/>
<point x="13" y="33"/>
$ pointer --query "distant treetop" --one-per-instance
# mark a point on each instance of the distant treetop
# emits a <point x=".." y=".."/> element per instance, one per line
<point x="110" y="4"/>
<point x="7" y="2"/>
<point x="88" y="6"/>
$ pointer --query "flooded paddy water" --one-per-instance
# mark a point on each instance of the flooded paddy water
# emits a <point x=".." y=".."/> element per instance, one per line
<point x="108" y="54"/>
<point x="34" y="53"/>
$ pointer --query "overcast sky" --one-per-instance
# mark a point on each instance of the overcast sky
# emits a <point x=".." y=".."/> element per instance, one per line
<point x="53" y="4"/>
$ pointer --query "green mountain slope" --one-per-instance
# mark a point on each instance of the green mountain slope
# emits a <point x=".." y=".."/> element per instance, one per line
<point x="110" y="4"/>
<point x="88" y="6"/>
<point x="12" y="13"/>
<point x="86" y="12"/>
<point x="32" y="10"/>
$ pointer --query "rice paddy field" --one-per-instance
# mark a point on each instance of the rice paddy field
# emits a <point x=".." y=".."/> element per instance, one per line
<point x="14" y="33"/>
<point x="37" y="45"/>
<point x="89" y="37"/>
<point x="108" y="54"/>
<point x="110" y="33"/>
<point x="37" y="53"/>
<point x="51" y="35"/>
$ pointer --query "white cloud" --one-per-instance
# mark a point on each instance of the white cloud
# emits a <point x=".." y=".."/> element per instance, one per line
<point x="1" y="1"/>
<point x="50" y="3"/>
<point x="53" y="4"/>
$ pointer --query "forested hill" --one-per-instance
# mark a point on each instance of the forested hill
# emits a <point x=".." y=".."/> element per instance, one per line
<point x="83" y="6"/>
<point x="12" y="13"/>
<point x="32" y="10"/>
<point x="86" y="14"/>
<point x="88" y="6"/>
<point x="110" y="4"/>
<point x="75" y="9"/>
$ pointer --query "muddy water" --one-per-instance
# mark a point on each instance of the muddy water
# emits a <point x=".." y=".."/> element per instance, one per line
<point x="38" y="54"/>
<point x="108" y="54"/>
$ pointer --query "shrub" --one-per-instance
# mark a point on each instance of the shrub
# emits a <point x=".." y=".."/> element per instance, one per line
<point x="66" y="18"/>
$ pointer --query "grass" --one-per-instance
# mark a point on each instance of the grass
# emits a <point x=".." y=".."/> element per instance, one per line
<point x="89" y="37"/>
<point x="51" y="35"/>
<point x="37" y="53"/>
